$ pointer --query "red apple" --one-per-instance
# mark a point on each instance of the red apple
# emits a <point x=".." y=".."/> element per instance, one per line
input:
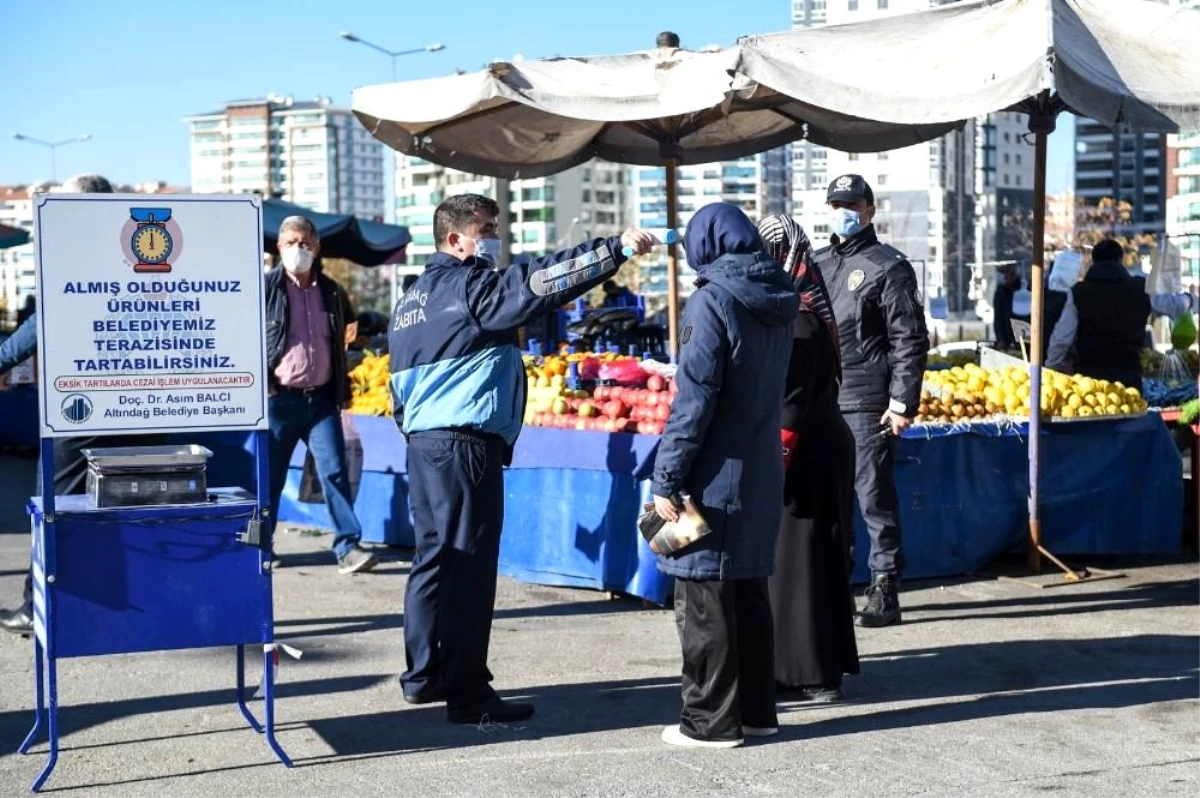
<point x="601" y="393"/>
<point x="651" y="400"/>
<point x="656" y="383"/>
<point x="662" y="412"/>
<point x="657" y="427"/>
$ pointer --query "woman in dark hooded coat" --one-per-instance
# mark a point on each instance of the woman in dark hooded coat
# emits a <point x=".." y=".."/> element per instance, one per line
<point x="810" y="589"/>
<point x="721" y="447"/>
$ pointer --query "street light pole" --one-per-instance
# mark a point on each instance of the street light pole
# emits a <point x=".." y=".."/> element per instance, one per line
<point x="53" y="147"/>
<point x="393" y="54"/>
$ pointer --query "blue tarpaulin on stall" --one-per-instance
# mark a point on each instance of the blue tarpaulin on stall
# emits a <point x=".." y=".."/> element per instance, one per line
<point x="572" y="499"/>
<point x="12" y="237"/>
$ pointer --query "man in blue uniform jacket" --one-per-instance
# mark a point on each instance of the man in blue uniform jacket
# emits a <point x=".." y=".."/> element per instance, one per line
<point x="458" y="389"/>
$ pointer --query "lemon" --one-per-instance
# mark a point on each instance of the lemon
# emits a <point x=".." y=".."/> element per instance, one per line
<point x="1084" y="412"/>
<point x="1068" y="412"/>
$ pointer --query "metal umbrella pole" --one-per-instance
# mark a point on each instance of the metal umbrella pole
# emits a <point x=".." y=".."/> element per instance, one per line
<point x="1042" y="125"/>
<point x="672" y="261"/>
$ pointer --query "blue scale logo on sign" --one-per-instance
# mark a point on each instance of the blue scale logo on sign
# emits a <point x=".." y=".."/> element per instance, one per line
<point x="77" y="408"/>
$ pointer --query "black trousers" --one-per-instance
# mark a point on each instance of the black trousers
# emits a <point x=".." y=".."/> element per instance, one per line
<point x="727" y="636"/>
<point x="875" y="485"/>
<point x="456" y="491"/>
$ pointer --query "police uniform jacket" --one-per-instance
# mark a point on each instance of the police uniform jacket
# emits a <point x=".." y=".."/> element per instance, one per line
<point x="881" y="324"/>
<point x="455" y="359"/>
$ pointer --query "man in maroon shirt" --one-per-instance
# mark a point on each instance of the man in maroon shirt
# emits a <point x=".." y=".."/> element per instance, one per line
<point x="307" y="316"/>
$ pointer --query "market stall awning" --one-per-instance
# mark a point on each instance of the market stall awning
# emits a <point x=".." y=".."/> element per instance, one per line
<point x="535" y="118"/>
<point x="360" y="241"/>
<point x="1128" y="64"/>
<point x="12" y="237"/>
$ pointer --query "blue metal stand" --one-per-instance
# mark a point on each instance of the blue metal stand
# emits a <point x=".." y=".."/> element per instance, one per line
<point x="145" y="579"/>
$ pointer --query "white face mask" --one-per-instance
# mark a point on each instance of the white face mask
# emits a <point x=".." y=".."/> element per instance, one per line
<point x="488" y="249"/>
<point x="296" y="260"/>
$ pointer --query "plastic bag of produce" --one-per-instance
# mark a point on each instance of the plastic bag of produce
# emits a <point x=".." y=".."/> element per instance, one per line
<point x="589" y="368"/>
<point x="1183" y="332"/>
<point x="624" y="372"/>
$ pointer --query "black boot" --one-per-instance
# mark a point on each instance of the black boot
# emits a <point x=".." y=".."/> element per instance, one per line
<point x="18" y="621"/>
<point x="883" y="602"/>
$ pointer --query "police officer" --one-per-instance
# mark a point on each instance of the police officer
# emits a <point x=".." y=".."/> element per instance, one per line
<point x="458" y="385"/>
<point x="881" y="324"/>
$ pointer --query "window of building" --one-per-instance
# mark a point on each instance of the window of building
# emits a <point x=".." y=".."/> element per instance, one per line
<point x="1007" y="159"/>
<point x="1006" y="180"/>
<point x="606" y="197"/>
<point x="883" y="4"/>
<point x="883" y="156"/>
<point x="1189" y="184"/>
<point x="852" y="5"/>
<point x="852" y="156"/>
<point x="883" y="228"/>
<point x="530" y="236"/>
<point x="881" y="180"/>
<point x="1018" y="181"/>
<point x="587" y="194"/>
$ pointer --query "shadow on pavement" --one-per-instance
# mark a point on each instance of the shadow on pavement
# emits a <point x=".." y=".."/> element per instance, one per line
<point x="355" y="624"/>
<point x="969" y="682"/>
<point x="1055" y="601"/>
<point x="1031" y="675"/>
<point x="75" y="717"/>
<point x="562" y="710"/>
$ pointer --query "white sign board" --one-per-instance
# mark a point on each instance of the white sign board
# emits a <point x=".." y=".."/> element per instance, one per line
<point x="150" y="313"/>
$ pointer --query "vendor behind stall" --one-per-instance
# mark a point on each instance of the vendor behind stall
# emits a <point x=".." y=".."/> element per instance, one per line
<point x="617" y="295"/>
<point x="1104" y="320"/>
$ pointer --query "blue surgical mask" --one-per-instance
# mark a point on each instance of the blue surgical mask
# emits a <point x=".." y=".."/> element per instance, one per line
<point x="845" y="222"/>
<point x="488" y="249"/>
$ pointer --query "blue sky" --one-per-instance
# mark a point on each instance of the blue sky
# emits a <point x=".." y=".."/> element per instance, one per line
<point x="127" y="72"/>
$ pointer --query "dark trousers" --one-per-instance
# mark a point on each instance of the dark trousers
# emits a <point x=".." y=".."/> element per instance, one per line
<point x="727" y="636"/>
<point x="456" y="492"/>
<point x="315" y="419"/>
<point x="875" y="485"/>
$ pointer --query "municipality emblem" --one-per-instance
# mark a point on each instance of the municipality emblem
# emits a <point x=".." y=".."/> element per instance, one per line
<point x="856" y="279"/>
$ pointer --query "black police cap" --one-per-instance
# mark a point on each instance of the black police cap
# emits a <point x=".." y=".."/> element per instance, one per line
<point x="850" y="188"/>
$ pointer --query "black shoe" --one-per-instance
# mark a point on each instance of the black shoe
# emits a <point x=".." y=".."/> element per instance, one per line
<point x="18" y="621"/>
<point x="822" y="694"/>
<point x="883" y="602"/>
<point x="494" y="710"/>
<point x="430" y="695"/>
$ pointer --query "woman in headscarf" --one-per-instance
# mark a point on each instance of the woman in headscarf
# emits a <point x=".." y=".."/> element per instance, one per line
<point x="810" y="590"/>
<point x="721" y="448"/>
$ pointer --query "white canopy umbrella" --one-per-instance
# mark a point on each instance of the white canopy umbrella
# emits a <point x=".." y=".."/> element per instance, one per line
<point x="662" y="107"/>
<point x="1129" y="64"/>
